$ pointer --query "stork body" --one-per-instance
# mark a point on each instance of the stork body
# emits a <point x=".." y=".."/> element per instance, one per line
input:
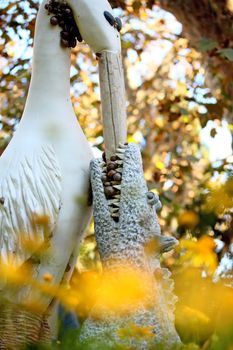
<point x="48" y="150"/>
<point x="44" y="171"/>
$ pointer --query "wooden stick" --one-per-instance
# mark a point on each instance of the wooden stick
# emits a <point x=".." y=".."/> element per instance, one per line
<point x="112" y="87"/>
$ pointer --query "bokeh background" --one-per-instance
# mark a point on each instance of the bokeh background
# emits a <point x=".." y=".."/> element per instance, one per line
<point x="178" y="61"/>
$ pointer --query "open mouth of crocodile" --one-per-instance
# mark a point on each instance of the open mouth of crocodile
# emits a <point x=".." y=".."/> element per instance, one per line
<point x="120" y="194"/>
<point x="111" y="178"/>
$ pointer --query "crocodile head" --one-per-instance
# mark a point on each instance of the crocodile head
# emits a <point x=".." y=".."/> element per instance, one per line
<point x="124" y="211"/>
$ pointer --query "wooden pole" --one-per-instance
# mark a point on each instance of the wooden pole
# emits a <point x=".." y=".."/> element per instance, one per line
<point x="112" y="87"/>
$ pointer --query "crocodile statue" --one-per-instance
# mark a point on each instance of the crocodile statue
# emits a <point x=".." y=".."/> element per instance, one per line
<point x="125" y="223"/>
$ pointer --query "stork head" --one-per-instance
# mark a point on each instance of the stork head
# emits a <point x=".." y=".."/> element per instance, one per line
<point x="92" y="21"/>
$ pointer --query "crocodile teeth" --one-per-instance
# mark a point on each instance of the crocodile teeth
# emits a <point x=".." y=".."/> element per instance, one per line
<point x="120" y="150"/>
<point x="115" y="182"/>
<point x="119" y="162"/>
<point x="113" y="210"/>
<point x="121" y="145"/>
<point x="117" y="196"/>
<point x="120" y="155"/>
<point x="118" y="187"/>
<point x="116" y="205"/>
<point x="103" y="166"/>
<point x="113" y="201"/>
<point x="119" y="170"/>
<point x="115" y="215"/>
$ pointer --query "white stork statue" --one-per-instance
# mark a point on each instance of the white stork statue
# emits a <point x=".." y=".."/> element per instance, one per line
<point x="44" y="171"/>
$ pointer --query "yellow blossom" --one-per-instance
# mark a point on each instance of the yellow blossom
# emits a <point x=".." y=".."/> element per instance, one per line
<point x="41" y="220"/>
<point x="48" y="277"/>
<point x="198" y="253"/>
<point x="133" y="330"/>
<point x="16" y="275"/>
<point x="220" y="197"/>
<point x="188" y="219"/>
<point x="122" y="289"/>
<point x="34" y="245"/>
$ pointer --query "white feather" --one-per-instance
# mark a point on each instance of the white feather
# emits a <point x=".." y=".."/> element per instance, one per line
<point x="30" y="189"/>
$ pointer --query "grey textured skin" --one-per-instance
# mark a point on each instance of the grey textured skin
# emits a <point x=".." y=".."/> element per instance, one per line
<point x="124" y="243"/>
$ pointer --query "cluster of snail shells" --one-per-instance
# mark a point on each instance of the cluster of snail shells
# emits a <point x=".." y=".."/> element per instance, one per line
<point x="111" y="178"/>
<point x="63" y="16"/>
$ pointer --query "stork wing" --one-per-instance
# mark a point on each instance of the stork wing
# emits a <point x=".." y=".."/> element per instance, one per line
<point x="30" y="199"/>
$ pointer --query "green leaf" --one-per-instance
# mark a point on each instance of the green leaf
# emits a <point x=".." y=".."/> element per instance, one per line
<point x="206" y="44"/>
<point x="227" y="53"/>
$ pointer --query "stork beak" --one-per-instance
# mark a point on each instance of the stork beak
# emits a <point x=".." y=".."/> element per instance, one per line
<point x="93" y="19"/>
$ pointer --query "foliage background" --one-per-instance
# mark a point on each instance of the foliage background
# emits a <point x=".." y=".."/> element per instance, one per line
<point x="177" y="83"/>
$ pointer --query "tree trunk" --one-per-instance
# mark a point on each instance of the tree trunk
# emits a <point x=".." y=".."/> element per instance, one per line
<point x="210" y="19"/>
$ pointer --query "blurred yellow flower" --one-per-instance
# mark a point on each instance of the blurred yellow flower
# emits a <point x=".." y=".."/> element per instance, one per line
<point x="68" y="297"/>
<point x="220" y="197"/>
<point x="86" y="285"/>
<point x="203" y="306"/>
<point x="188" y="219"/>
<point x="198" y="253"/>
<point x="119" y="289"/>
<point x="133" y="330"/>
<point x="151" y="247"/>
<point x="41" y="220"/>
<point x="197" y="317"/>
<point x="48" y="277"/>
<point x="34" y="306"/>
<point x="16" y="275"/>
<point x="35" y="245"/>
<point x="193" y="324"/>
<point x="122" y="289"/>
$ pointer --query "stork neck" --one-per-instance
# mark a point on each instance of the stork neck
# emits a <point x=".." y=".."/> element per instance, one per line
<point x="50" y="81"/>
